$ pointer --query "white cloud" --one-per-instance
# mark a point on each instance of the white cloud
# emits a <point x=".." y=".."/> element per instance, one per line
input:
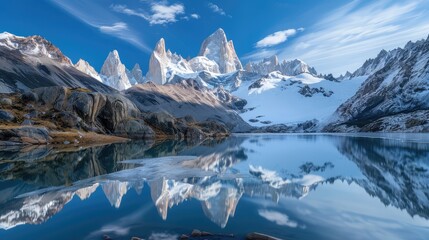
<point x="96" y="16"/>
<point x="161" y="13"/>
<point x="276" y="38"/>
<point x="347" y="36"/>
<point x="216" y="9"/>
<point x="277" y="218"/>
<point x="195" y="16"/>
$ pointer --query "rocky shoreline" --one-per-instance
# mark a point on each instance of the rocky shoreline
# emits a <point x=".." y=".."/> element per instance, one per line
<point x="202" y="235"/>
<point x="61" y="115"/>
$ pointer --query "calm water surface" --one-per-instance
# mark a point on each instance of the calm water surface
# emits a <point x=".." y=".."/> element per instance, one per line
<point x="288" y="186"/>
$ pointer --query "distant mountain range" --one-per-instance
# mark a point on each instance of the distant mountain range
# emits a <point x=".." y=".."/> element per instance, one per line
<point x="388" y="93"/>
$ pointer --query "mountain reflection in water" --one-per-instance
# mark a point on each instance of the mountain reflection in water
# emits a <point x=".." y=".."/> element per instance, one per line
<point x="37" y="183"/>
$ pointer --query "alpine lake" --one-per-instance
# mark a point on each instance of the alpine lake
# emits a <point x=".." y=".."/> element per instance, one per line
<point x="291" y="186"/>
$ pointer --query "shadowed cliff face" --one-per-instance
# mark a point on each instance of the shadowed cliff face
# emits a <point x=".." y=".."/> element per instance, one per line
<point x="20" y="72"/>
<point x="186" y="98"/>
<point x="394" y="98"/>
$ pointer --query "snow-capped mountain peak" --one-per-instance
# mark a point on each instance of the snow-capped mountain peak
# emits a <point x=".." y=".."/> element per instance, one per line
<point x="266" y="66"/>
<point x="114" y="73"/>
<point x="217" y="48"/>
<point x="201" y="63"/>
<point x="34" y="46"/>
<point x="136" y="75"/>
<point x="289" y="68"/>
<point x="165" y="65"/>
<point x="160" y="47"/>
<point x="295" y="67"/>
<point x="86" y="68"/>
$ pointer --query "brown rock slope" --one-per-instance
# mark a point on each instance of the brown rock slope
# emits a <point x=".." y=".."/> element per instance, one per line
<point x="73" y="116"/>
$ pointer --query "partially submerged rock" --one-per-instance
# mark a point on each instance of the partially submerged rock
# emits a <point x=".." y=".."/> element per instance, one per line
<point x="260" y="236"/>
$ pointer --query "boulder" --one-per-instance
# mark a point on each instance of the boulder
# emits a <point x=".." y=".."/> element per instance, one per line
<point x="193" y="134"/>
<point x="52" y="97"/>
<point x="117" y="109"/>
<point x="86" y="105"/>
<point x="27" y="122"/>
<point x="136" y="238"/>
<point x="184" y="237"/>
<point x="6" y="101"/>
<point x="163" y="121"/>
<point x="32" y="114"/>
<point x="67" y="120"/>
<point x="196" y="233"/>
<point x="29" y="97"/>
<point x="213" y="128"/>
<point x="135" y="129"/>
<point x="6" y="116"/>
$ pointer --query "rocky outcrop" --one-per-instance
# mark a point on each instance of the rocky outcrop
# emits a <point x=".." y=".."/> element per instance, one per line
<point x="102" y="113"/>
<point x="230" y="100"/>
<point x="58" y="110"/>
<point x="114" y="73"/>
<point x="308" y="91"/>
<point x="217" y="48"/>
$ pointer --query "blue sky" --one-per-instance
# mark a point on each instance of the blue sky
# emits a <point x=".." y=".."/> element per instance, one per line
<point x="332" y="35"/>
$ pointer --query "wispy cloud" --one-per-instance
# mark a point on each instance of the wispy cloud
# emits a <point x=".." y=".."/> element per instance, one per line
<point x="259" y="55"/>
<point x="125" y="10"/>
<point x="161" y="13"/>
<point x="115" y="28"/>
<point x="349" y="35"/>
<point x="96" y="16"/>
<point x="216" y="9"/>
<point x="277" y="38"/>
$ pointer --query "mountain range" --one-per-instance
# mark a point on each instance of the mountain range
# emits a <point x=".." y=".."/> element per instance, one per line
<point x="387" y="93"/>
